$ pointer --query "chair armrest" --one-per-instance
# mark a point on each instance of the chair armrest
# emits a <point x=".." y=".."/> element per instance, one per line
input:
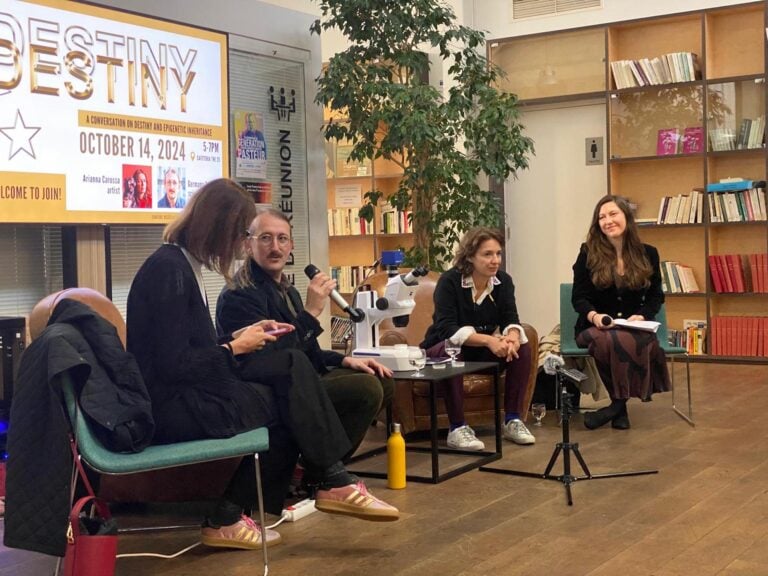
<point x="391" y="337"/>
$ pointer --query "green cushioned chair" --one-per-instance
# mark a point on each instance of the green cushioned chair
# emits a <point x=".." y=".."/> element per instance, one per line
<point x="163" y="456"/>
<point x="569" y="348"/>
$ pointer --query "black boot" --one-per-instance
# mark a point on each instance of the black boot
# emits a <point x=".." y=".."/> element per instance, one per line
<point x="593" y="420"/>
<point x="621" y="420"/>
<point x="601" y="417"/>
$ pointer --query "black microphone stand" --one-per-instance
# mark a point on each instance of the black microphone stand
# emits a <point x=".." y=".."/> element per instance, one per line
<point x="566" y="447"/>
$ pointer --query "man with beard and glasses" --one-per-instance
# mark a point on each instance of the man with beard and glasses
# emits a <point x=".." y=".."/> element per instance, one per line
<point x="357" y="387"/>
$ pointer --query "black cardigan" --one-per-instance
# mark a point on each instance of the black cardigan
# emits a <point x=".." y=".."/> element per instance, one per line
<point x="241" y="307"/>
<point x="171" y="334"/>
<point x="455" y="308"/>
<point x="617" y="303"/>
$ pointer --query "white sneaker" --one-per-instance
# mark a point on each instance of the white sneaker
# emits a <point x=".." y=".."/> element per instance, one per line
<point x="516" y="431"/>
<point x="463" y="438"/>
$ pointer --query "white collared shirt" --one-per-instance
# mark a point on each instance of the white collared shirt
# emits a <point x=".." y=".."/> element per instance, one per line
<point x="465" y="332"/>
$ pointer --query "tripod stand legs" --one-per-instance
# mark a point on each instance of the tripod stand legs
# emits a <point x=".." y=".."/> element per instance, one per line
<point x="566" y="447"/>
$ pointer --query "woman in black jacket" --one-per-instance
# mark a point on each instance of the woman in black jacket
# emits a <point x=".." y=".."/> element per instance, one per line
<point x="201" y="388"/>
<point x="617" y="276"/>
<point x="475" y="308"/>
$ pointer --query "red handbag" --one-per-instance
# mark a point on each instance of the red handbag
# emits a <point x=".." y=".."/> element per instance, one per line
<point x="89" y="554"/>
<point x="91" y="539"/>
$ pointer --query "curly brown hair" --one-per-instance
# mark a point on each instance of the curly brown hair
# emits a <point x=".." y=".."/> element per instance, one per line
<point x="602" y="257"/>
<point x="213" y="224"/>
<point x="470" y="244"/>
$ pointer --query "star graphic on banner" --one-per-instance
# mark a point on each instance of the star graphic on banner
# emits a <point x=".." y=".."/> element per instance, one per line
<point x="20" y="136"/>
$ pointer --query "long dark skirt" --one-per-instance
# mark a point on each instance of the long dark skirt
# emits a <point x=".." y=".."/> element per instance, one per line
<point x="630" y="362"/>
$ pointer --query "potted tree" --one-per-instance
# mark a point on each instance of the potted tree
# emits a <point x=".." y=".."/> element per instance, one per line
<point x="446" y="144"/>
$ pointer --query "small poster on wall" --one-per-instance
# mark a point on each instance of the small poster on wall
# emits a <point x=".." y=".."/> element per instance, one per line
<point x="250" y="145"/>
<point x="261" y="191"/>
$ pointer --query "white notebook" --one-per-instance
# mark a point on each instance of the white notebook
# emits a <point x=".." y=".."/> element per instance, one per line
<point x="645" y="325"/>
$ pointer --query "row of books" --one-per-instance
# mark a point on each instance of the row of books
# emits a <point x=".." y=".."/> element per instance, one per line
<point x="692" y="337"/>
<point x="665" y="69"/>
<point x="737" y="206"/>
<point x="681" y="209"/>
<point x="347" y="222"/>
<point x="674" y="141"/>
<point x="349" y="277"/>
<point x="739" y="336"/>
<point x="395" y="221"/>
<point x="678" y="278"/>
<point x="751" y="131"/>
<point x="341" y="330"/>
<point x="738" y="273"/>
<point x="751" y="135"/>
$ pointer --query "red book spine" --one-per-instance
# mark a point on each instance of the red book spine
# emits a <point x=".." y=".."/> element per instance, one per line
<point x="738" y="273"/>
<point x="726" y="277"/>
<point x="764" y="271"/>
<point x="716" y="284"/>
<point x="753" y="273"/>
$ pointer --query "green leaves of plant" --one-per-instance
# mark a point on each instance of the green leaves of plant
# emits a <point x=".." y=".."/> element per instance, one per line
<point x="443" y="140"/>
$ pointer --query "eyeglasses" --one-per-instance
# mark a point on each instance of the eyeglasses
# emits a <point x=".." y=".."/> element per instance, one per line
<point x="267" y="239"/>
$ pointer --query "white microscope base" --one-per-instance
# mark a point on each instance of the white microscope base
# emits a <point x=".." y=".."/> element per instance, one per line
<point x="395" y="359"/>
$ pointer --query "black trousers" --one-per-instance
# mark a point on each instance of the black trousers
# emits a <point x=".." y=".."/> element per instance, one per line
<point x="286" y="396"/>
<point x="357" y="398"/>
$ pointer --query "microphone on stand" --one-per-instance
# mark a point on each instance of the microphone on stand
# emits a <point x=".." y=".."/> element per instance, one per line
<point x="355" y="314"/>
<point x="552" y="363"/>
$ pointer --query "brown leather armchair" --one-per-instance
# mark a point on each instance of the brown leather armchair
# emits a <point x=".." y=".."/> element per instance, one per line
<point x="170" y="485"/>
<point x="411" y="399"/>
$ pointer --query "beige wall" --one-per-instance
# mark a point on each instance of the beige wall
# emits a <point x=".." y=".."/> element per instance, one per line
<point x="550" y="205"/>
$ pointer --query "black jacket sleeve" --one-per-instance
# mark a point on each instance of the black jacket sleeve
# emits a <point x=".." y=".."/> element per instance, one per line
<point x="584" y="292"/>
<point x="244" y="306"/>
<point x="169" y="330"/>
<point x="654" y="296"/>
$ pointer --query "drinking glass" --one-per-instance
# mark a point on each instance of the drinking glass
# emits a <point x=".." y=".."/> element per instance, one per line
<point x="453" y="350"/>
<point x="538" y="411"/>
<point x="417" y="357"/>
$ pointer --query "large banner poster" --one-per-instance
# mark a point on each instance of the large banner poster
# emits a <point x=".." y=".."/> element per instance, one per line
<point x="105" y="116"/>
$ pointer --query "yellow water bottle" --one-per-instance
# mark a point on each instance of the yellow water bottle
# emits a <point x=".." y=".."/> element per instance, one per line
<point x="396" y="459"/>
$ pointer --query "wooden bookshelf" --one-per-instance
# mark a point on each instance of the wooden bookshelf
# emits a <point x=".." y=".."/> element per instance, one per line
<point x="716" y="107"/>
<point x="547" y="65"/>
<point x="346" y="184"/>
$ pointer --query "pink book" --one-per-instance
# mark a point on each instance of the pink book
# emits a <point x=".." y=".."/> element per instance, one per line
<point x="693" y="140"/>
<point x="668" y="141"/>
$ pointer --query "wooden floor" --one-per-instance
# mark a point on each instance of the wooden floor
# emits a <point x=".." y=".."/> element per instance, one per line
<point x="705" y="513"/>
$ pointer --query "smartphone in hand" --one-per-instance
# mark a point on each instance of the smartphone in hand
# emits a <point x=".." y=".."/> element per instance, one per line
<point x="277" y="331"/>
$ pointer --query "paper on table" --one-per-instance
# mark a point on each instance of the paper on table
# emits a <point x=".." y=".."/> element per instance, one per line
<point x="433" y="361"/>
<point x="645" y="325"/>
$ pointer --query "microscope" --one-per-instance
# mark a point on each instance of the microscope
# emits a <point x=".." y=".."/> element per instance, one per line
<point x="396" y="303"/>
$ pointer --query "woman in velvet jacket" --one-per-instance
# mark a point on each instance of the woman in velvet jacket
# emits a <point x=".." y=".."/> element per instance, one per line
<point x="617" y="276"/>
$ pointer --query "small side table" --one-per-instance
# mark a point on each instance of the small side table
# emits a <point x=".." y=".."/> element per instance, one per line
<point x="432" y="377"/>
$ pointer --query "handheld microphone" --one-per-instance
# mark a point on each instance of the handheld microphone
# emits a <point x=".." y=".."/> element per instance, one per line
<point x="606" y="320"/>
<point x="355" y="314"/>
